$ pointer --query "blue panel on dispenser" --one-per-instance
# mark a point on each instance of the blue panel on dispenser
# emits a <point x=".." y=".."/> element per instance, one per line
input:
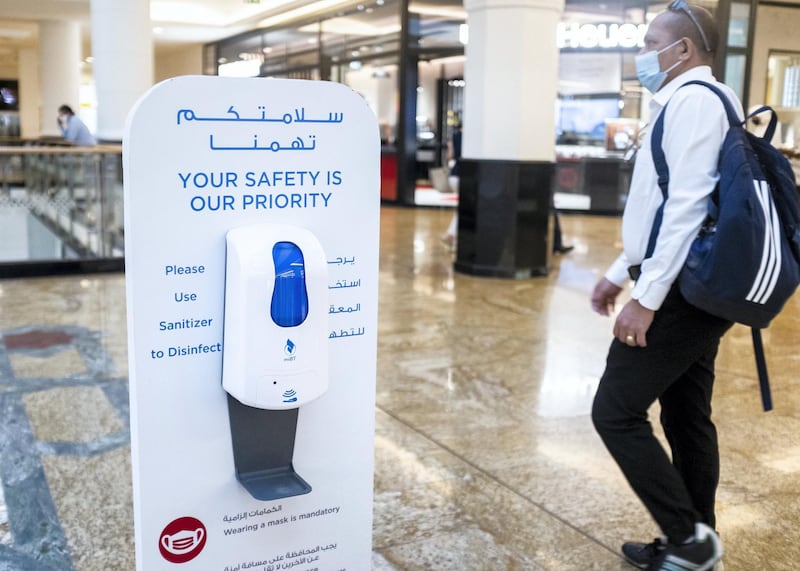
<point x="289" y="306"/>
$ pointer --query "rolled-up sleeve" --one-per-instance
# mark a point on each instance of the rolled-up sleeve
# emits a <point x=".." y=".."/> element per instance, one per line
<point x="617" y="274"/>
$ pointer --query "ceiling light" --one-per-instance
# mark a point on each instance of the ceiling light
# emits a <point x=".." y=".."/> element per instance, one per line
<point x="454" y="13"/>
<point x="288" y="15"/>
<point x="14" y="34"/>
<point x="244" y="68"/>
<point x="354" y="27"/>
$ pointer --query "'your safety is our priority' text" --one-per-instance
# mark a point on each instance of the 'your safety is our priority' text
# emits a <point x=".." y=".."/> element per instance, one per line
<point x="265" y="190"/>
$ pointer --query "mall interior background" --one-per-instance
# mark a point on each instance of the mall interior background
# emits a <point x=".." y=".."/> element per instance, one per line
<point x="405" y="57"/>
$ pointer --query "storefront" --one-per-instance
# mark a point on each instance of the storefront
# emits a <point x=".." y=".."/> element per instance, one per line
<point x="775" y="79"/>
<point x="366" y="45"/>
<point x="406" y="59"/>
<point x="602" y="109"/>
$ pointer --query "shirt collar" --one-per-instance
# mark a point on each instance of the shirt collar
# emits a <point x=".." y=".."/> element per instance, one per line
<point x="701" y="72"/>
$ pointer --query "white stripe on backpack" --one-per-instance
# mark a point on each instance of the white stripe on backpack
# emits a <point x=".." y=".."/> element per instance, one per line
<point x="767" y="276"/>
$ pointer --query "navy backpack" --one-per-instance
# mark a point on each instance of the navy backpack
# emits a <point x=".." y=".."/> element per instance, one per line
<point x="744" y="263"/>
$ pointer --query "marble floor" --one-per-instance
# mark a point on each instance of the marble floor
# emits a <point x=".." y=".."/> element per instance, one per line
<point x="486" y="458"/>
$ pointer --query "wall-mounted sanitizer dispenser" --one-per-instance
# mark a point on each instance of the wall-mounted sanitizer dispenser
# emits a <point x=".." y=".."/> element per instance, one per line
<point x="275" y="356"/>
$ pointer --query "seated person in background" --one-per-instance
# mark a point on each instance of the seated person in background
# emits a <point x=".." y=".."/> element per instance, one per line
<point x="73" y="129"/>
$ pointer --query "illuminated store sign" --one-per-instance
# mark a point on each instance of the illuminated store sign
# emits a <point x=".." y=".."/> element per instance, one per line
<point x="603" y="36"/>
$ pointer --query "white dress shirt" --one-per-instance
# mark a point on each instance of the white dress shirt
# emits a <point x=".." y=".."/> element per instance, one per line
<point x="695" y="126"/>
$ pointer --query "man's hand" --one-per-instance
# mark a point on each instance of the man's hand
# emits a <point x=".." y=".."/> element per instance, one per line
<point x="632" y="324"/>
<point x="604" y="295"/>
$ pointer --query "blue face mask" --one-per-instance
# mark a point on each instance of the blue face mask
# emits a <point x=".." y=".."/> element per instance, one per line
<point x="649" y="70"/>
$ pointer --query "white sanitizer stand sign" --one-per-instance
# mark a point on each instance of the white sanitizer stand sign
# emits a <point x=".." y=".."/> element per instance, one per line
<point x="251" y="240"/>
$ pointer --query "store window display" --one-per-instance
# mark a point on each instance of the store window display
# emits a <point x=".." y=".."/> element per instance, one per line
<point x="783" y="94"/>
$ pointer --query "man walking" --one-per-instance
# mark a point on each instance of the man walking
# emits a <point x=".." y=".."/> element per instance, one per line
<point x="664" y="349"/>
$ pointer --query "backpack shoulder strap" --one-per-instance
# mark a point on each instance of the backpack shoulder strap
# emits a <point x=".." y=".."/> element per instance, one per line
<point x="662" y="170"/>
<point x="733" y="118"/>
<point x="761" y="368"/>
<point x="660" y="161"/>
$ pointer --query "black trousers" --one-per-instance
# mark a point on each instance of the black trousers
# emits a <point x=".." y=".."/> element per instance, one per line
<point x="677" y="368"/>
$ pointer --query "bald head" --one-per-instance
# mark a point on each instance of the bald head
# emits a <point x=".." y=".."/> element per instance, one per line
<point x="680" y="25"/>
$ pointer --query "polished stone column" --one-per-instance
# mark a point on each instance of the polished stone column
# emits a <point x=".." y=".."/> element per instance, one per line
<point x="29" y="113"/>
<point x="506" y="175"/>
<point x="59" y="71"/>
<point x="122" y="49"/>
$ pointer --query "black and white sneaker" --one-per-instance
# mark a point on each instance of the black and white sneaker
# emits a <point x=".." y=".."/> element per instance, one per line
<point x="701" y="553"/>
<point x="643" y="554"/>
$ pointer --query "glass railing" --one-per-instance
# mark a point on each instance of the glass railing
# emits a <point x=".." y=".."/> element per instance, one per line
<point x="60" y="209"/>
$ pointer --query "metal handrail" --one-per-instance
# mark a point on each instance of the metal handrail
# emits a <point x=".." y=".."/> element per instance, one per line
<point x="75" y="193"/>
